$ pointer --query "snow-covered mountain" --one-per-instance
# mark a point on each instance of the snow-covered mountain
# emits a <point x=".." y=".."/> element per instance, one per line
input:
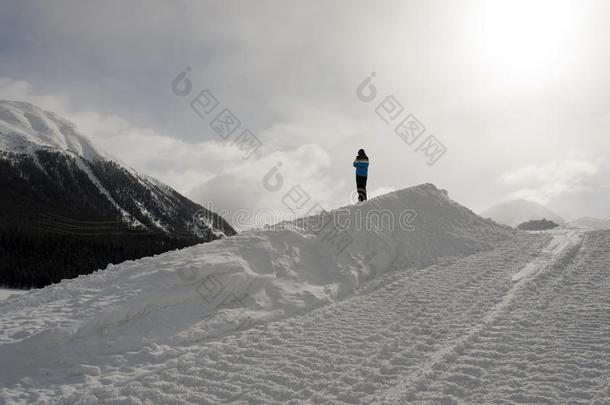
<point x="515" y="212"/>
<point x="27" y="129"/>
<point x="592" y="223"/>
<point x="55" y="182"/>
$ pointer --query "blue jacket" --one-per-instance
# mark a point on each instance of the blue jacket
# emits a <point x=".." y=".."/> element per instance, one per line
<point x="362" y="166"/>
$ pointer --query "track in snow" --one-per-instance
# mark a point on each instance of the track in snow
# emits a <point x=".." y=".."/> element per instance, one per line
<point x="551" y="344"/>
<point x="525" y="322"/>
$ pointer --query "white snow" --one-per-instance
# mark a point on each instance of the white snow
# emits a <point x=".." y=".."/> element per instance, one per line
<point x="127" y="217"/>
<point x="554" y="252"/>
<point x="9" y="292"/>
<point x="25" y="128"/>
<point x="202" y="218"/>
<point x="563" y="239"/>
<point x="457" y="309"/>
<point x="156" y="222"/>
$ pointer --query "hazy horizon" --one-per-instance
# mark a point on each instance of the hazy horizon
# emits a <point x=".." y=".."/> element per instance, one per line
<point x="517" y="93"/>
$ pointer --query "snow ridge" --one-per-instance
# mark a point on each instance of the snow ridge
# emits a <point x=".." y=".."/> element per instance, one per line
<point x="186" y="296"/>
<point x="456" y="310"/>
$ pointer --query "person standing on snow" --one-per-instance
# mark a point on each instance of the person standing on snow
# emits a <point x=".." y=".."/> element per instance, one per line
<point x="362" y="168"/>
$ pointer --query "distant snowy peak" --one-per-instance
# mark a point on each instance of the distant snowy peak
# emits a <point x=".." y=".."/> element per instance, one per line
<point x="592" y="223"/>
<point x="25" y="128"/>
<point x="516" y="212"/>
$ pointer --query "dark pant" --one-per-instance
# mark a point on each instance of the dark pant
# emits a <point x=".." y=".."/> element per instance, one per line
<point x="361" y="187"/>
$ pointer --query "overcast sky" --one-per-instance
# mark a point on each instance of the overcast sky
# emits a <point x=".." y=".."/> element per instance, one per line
<point x="517" y="92"/>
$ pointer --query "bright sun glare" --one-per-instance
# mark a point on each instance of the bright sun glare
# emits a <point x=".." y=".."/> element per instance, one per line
<point x="524" y="39"/>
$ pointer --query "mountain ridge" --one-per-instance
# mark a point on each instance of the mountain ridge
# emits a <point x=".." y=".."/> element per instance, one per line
<point x="26" y="128"/>
<point x="56" y="184"/>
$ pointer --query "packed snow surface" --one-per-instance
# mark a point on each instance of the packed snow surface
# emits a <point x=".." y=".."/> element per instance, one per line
<point x="8" y="292"/>
<point x="453" y="309"/>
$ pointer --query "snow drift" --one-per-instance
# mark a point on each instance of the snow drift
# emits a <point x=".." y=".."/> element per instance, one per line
<point x="191" y="294"/>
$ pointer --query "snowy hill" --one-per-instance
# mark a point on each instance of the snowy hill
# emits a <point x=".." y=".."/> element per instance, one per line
<point x="428" y="303"/>
<point x="592" y="223"/>
<point x="515" y="212"/>
<point x="59" y="192"/>
<point x="191" y="295"/>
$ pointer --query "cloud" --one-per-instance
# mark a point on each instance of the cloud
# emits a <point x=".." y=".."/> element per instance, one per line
<point x="212" y="173"/>
<point x="280" y="186"/>
<point x="575" y="173"/>
<point x="159" y="155"/>
<point x="289" y="72"/>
